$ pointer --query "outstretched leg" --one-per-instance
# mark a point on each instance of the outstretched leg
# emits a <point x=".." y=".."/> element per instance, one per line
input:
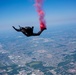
<point x="16" y="29"/>
<point x="37" y="34"/>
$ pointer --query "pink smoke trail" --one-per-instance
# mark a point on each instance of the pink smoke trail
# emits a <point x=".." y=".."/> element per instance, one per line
<point x="38" y="4"/>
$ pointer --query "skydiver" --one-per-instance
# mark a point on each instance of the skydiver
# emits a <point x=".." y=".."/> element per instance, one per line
<point x="28" y="31"/>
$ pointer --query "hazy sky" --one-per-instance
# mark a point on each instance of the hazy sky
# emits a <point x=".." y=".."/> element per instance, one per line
<point x="23" y="12"/>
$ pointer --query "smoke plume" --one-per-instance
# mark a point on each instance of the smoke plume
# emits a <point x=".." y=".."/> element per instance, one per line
<point x="38" y="5"/>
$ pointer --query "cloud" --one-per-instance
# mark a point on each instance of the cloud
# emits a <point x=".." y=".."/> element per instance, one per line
<point x="2" y="50"/>
<point x="0" y="46"/>
<point x="42" y="39"/>
<point x="20" y="36"/>
<point x="41" y="51"/>
<point x="72" y="70"/>
<point x="49" y="55"/>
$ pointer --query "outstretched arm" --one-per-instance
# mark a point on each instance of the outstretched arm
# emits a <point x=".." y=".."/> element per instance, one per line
<point x="16" y="29"/>
<point x="37" y="34"/>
